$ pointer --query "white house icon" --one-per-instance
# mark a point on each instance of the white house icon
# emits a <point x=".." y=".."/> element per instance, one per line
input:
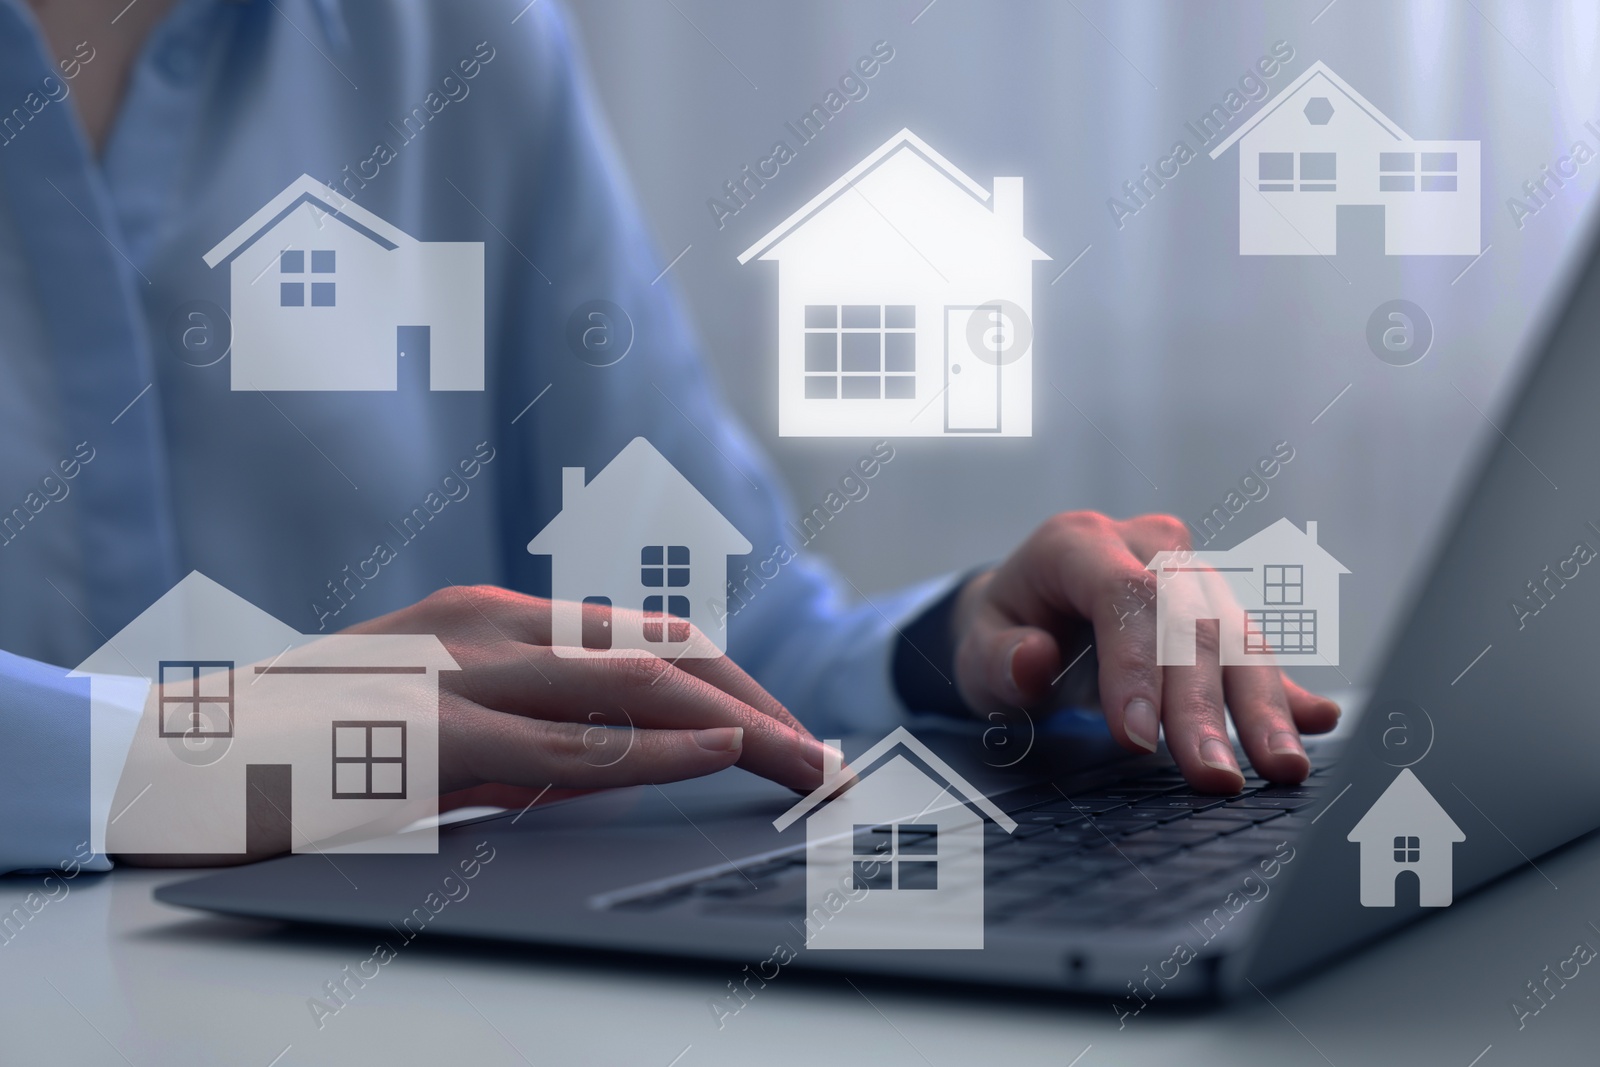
<point x="1285" y="589"/>
<point x="896" y="859"/>
<point x="257" y="737"/>
<point x="636" y="555"/>
<point x="905" y="302"/>
<point x="1321" y="145"/>
<point x="1406" y="830"/>
<point x="325" y="295"/>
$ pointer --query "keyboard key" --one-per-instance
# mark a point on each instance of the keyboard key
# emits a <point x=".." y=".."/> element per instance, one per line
<point x="1053" y="838"/>
<point x="1127" y="821"/>
<point x="1309" y="790"/>
<point x="1168" y="773"/>
<point x="1085" y="860"/>
<point x="1227" y="813"/>
<point x="1063" y="884"/>
<point x="1045" y="818"/>
<point x="1021" y="799"/>
<point x="1182" y="834"/>
<point x="1232" y="822"/>
<point x="1281" y="803"/>
<point x="1008" y="863"/>
<point x="1122" y="896"/>
<point x="1011" y="909"/>
<point x="1234" y="849"/>
<point x="1119" y="794"/>
<point x="1139" y="852"/>
<point x="1197" y="866"/>
<point x="1180" y="803"/>
<point x="1080" y="807"/>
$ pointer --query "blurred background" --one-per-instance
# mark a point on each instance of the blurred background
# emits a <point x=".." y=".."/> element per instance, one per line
<point x="1166" y="364"/>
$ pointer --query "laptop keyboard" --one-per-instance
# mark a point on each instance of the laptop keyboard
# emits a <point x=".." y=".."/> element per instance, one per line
<point x="1134" y="849"/>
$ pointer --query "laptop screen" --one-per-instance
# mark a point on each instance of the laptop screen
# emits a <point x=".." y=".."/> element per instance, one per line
<point x="1475" y="752"/>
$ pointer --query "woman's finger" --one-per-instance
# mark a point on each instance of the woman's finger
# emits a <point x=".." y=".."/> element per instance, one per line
<point x="641" y="691"/>
<point x="538" y="752"/>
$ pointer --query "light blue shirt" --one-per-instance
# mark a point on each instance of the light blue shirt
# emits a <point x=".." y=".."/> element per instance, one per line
<point x="282" y="496"/>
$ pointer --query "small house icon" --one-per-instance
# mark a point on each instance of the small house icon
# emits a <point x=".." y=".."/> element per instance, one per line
<point x="637" y="555"/>
<point x="1321" y="146"/>
<point x="257" y="738"/>
<point x="1286" y="587"/>
<point x="1406" y="830"/>
<point x="896" y="859"/>
<point x="905" y="298"/>
<point x="325" y="295"/>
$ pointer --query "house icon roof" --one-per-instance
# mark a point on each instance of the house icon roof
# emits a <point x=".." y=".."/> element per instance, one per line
<point x="307" y="190"/>
<point x="1332" y="84"/>
<point x="919" y="219"/>
<point x="1406" y="807"/>
<point x="196" y="619"/>
<point x="1282" y="539"/>
<point x="639" y="481"/>
<point x="897" y="738"/>
<point x="200" y="619"/>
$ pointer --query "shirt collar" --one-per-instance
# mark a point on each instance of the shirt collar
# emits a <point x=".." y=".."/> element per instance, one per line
<point x="330" y="17"/>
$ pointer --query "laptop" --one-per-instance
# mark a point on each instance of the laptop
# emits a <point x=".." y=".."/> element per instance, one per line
<point x="1116" y="878"/>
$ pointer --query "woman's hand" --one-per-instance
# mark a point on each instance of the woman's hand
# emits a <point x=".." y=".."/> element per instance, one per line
<point x="519" y="714"/>
<point x="1083" y="577"/>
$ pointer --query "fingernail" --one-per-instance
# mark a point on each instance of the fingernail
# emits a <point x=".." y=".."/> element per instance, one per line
<point x="1142" y="724"/>
<point x="1285" y="743"/>
<point x="1011" y="669"/>
<point x="720" y="739"/>
<point x="816" y="754"/>
<point x="1218" y="754"/>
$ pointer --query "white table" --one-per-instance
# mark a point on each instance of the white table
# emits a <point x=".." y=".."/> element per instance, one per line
<point x="105" y="975"/>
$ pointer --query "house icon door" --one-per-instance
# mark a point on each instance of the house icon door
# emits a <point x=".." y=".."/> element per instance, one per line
<point x="411" y="352"/>
<point x="973" y="342"/>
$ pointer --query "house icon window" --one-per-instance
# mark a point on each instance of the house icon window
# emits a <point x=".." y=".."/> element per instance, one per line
<point x="196" y="698"/>
<point x="898" y="856"/>
<point x="292" y="290"/>
<point x="1286" y="610"/>
<point x="665" y="617"/>
<point x="1283" y="584"/>
<point x="369" y="759"/>
<point x="664" y="565"/>
<point x="1408" y="850"/>
<point x="641" y="537"/>
<point x="861" y="352"/>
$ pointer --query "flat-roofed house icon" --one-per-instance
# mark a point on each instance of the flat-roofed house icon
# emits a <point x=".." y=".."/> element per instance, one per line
<point x="257" y="738"/>
<point x="325" y="295"/>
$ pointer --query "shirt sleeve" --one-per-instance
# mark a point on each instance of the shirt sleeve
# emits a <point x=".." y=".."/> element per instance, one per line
<point x="811" y="637"/>
<point x="59" y="762"/>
